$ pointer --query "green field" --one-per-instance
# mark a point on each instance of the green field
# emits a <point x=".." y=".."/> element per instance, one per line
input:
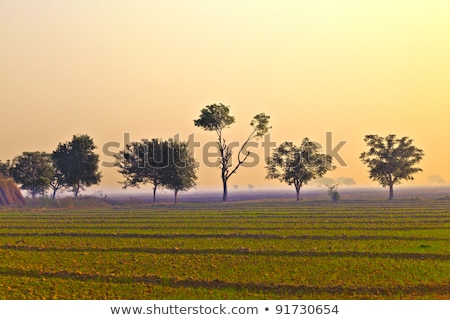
<point x="241" y="250"/>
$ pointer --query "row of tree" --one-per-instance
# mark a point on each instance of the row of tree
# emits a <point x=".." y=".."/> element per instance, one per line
<point x="73" y="165"/>
<point x="390" y="159"/>
<point x="169" y="164"/>
<point x="162" y="163"/>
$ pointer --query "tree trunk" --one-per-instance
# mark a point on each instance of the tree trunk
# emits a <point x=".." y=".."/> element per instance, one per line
<point x="225" y="191"/>
<point x="298" y="186"/>
<point x="391" y="192"/>
<point x="54" y="193"/>
<point x="154" y="193"/>
<point x="176" y="196"/>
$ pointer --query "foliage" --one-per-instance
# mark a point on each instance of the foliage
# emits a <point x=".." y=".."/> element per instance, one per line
<point x="5" y="169"/>
<point x="260" y="125"/>
<point x="216" y="117"/>
<point x="77" y="163"/>
<point x="139" y="163"/>
<point x="180" y="174"/>
<point x="298" y="165"/>
<point x="33" y="171"/>
<point x="391" y="160"/>
<point x="161" y="163"/>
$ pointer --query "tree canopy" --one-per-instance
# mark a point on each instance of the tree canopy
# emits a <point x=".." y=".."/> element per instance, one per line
<point x="33" y="171"/>
<point x="77" y="163"/>
<point x="214" y="117"/>
<point x="298" y="165"/>
<point x="162" y="163"/>
<point x="391" y="160"/>
<point x="180" y="174"/>
<point x="141" y="163"/>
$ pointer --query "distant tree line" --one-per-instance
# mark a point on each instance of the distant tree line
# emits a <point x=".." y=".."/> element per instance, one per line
<point x="74" y="165"/>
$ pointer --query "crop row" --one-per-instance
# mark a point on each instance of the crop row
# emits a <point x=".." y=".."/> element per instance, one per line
<point x="307" y="251"/>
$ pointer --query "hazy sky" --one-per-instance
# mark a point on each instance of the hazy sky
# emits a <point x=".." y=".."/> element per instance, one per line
<point x="146" y="68"/>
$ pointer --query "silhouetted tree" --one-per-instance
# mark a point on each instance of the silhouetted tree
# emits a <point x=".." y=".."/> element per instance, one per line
<point x="391" y="160"/>
<point x="217" y="117"/>
<point x="161" y="163"/>
<point x="141" y="163"/>
<point x="298" y="165"/>
<point x="180" y="174"/>
<point x="77" y="163"/>
<point x="33" y="171"/>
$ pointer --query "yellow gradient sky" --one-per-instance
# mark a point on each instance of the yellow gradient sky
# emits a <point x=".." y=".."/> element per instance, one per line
<point x="109" y="67"/>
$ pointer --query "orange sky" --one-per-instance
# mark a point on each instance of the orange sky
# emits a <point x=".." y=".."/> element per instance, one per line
<point x="147" y="68"/>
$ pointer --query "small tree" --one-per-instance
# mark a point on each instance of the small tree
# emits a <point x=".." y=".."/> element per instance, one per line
<point x="298" y="165"/>
<point x="391" y="160"/>
<point x="180" y="174"/>
<point x="33" y="171"/>
<point x="142" y="163"/>
<point x="217" y="117"/>
<point x="332" y="191"/>
<point x="77" y="163"/>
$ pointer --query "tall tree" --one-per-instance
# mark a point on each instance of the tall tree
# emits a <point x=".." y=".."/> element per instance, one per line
<point x="298" y="165"/>
<point x="33" y="171"/>
<point x="141" y="163"/>
<point x="391" y="160"/>
<point x="216" y="118"/>
<point x="78" y="163"/>
<point x="180" y="174"/>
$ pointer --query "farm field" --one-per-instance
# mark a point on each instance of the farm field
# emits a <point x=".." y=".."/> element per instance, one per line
<point x="238" y="250"/>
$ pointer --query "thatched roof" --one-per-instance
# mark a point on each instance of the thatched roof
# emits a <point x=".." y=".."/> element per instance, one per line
<point x="10" y="193"/>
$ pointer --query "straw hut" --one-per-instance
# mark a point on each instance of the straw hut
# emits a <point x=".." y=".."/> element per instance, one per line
<point x="10" y="193"/>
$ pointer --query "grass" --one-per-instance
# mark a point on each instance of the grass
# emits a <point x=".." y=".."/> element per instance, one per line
<point x="241" y="250"/>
